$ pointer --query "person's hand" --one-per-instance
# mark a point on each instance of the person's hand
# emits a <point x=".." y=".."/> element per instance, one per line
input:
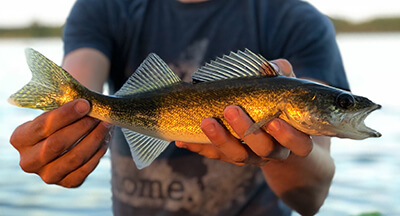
<point x="62" y="146"/>
<point x="274" y="143"/>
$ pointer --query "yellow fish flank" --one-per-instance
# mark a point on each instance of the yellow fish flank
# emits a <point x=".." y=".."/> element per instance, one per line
<point x="154" y="107"/>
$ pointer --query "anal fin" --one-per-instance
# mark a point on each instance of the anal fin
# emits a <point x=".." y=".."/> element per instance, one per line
<point x="144" y="149"/>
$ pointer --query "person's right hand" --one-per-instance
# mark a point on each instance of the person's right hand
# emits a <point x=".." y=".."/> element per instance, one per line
<point x="62" y="146"/>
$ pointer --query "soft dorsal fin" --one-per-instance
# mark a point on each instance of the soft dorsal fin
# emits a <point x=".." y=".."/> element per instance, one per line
<point x="152" y="74"/>
<point x="239" y="64"/>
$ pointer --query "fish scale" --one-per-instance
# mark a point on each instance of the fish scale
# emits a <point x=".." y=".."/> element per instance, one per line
<point x="154" y="107"/>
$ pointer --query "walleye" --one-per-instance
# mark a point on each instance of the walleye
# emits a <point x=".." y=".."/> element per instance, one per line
<point x="154" y="107"/>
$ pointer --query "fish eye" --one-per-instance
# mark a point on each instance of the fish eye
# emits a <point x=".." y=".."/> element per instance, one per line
<point x="345" y="100"/>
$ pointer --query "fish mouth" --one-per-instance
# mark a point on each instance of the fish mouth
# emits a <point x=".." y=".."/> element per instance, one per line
<point x="361" y="130"/>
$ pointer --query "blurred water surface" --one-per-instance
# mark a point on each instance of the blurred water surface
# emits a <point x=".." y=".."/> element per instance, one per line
<point x="26" y="194"/>
<point x="367" y="175"/>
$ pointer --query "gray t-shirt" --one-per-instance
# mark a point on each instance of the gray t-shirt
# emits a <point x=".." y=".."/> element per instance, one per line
<point x="186" y="36"/>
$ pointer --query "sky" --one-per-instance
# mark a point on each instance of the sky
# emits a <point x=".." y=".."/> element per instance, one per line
<point x="17" y="13"/>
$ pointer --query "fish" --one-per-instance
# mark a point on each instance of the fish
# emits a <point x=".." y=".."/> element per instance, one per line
<point x="155" y="107"/>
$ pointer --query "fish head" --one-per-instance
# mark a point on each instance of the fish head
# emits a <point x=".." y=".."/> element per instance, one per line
<point x="348" y="118"/>
<point x="328" y="111"/>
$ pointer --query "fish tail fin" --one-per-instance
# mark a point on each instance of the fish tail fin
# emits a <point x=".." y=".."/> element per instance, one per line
<point x="50" y="86"/>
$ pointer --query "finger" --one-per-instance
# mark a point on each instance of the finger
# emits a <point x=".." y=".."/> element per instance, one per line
<point x="77" y="177"/>
<point x="255" y="159"/>
<point x="207" y="150"/>
<point x="44" y="125"/>
<point x="223" y="140"/>
<point x="76" y="157"/>
<point x="201" y="149"/>
<point x="283" y="67"/>
<point x="299" y="143"/>
<point x="259" y="141"/>
<point x="34" y="158"/>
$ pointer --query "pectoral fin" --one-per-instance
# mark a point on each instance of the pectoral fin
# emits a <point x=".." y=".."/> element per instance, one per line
<point x="260" y="124"/>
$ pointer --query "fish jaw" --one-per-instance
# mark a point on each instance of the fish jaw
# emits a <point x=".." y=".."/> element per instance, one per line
<point x="353" y="126"/>
<point x="334" y="124"/>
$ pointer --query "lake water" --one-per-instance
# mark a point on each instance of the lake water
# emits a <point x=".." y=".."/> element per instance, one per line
<point x="367" y="175"/>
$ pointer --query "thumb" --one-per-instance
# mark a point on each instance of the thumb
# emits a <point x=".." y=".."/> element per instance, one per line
<point x="283" y="67"/>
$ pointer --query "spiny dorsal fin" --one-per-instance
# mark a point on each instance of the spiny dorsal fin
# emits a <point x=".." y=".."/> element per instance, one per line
<point x="144" y="149"/>
<point x="240" y="64"/>
<point x="152" y="74"/>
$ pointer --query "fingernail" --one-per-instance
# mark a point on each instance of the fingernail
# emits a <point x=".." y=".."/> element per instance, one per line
<point x="209" y="127"/>
<point x="275" y="66"/>
<point x="274" y="126"/>
<point x="81" y="107"/>
<point x="231" y="114"/>
<point x="180" y="145"/>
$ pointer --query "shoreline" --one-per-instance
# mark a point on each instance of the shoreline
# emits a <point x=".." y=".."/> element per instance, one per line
<point x="37" y="30"/>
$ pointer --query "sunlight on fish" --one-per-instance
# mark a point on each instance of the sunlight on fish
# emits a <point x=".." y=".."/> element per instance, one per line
<point x="154" y="107"/>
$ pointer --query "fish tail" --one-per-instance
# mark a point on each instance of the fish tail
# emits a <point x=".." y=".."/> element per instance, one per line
<point x="50" y="86"/>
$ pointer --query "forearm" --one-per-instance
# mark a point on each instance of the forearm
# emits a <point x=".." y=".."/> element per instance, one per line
<point x="89" y="66"/>
<point x="303" y="182"/>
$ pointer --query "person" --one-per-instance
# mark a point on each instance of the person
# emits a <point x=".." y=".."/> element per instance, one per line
<point x="106" y="40"/>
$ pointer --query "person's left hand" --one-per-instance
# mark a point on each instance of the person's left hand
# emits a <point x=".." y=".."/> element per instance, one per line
<point x="273" y="143"/>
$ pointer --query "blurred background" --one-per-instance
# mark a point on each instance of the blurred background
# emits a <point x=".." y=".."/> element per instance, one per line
<point x="367" y="179"/>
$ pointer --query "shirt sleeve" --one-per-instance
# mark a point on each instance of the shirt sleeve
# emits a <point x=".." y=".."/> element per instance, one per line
<point x="87" y="26"/>
<point x="307" y="39"/>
